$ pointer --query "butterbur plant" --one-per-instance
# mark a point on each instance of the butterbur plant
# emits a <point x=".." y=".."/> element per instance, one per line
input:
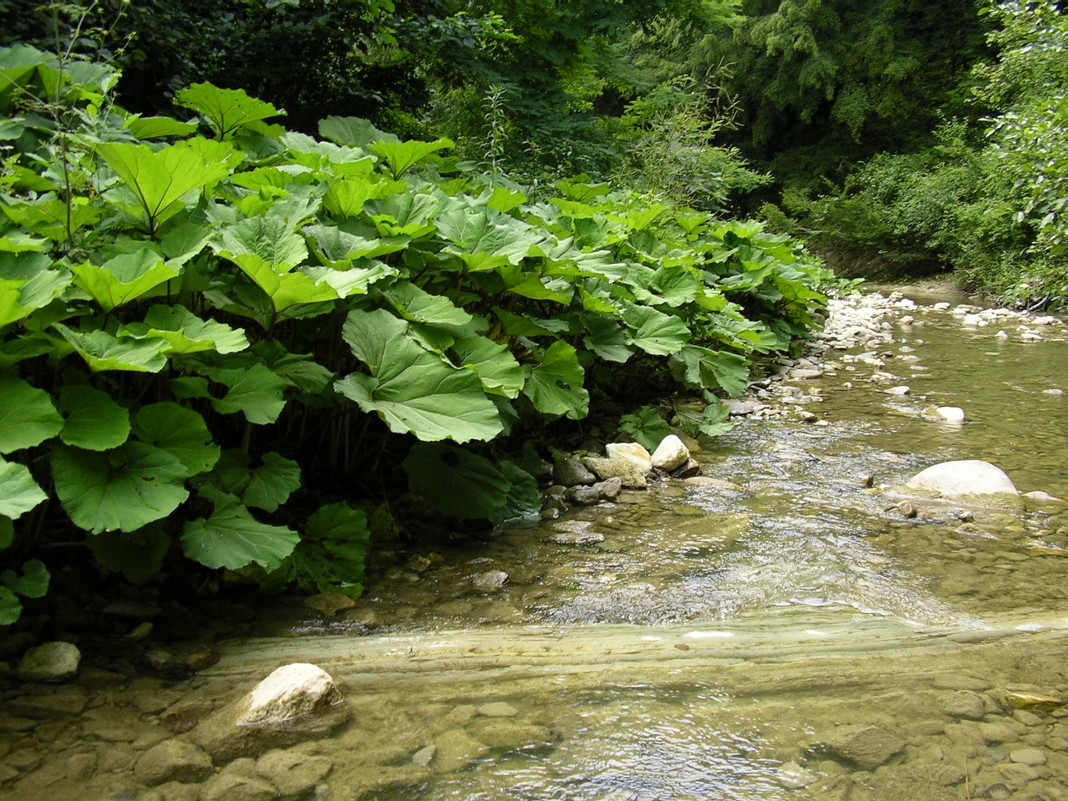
<point x="209" y="346"/>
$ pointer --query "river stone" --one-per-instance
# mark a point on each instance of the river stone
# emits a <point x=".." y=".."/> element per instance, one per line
<point x="632" y="452"/>
<point x="329" y="603"/>
<point x="793" y="777"/>
<point x="609" y="489"/>
<point x="456" y="749"/>
<point x="490" y="581"/>
<point x="292" y="772"/>
<point x="49" y="706"/>
<point x="865" y="747"/>
<point x="670" y="454"/>
<point x="962" y="704"/>
<point x="943" y="414"/>
<point x="584" y="495"/>
<point x="630" y="474"/>
<point x="571" y="472"/>
<point x="296" y="702"/>
<point x="508" y="734"/>
<point x="962" y="479"/>
<point x="235" y="787"/>
<point x="172" y="761"/>
<point x="498" y="709"/>
<point x="1028" y="756"/>
<point x="52" y="661"/>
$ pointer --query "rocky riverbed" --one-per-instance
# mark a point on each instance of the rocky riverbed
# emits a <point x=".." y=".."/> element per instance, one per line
<point x="786" y="620"/>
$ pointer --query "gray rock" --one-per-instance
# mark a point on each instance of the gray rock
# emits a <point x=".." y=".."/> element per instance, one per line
<point x="575" y="532"/>
<point x="425" y="755"/>
<point x="670" y="454"/>
<point x="296" y="702"/>
<point x="584" y="495"/>
<point x="571" y="472"/>
<point x="490" y="581"/>
<point x="865" y="747"/>
<point x="292" y="772"/>
<point x="609" y="489"/>
<point x="630" y="474"/>
<point x="793" y="777"/>
<point x="962" y="704"/>
<point x="498" y="709"/>
<point x="49" y="706"/>
<point x="52" y="661"/>
<point x="456" y="749"/>
<point x="713" y="483"/>
<point x="235" y="787"/>
<point x="1028" y="756"/>
<point x="172" y="761"/>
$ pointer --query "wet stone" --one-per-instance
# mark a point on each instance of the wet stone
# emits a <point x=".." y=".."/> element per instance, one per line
<point x="233" y="787"/>
<point x="584" y="495"/>
<point x="490" y="581"/>
<point x="1028" y="756"/>
<point x="425" y="755"/>
<point x="964" y="704"/>
<point x="570" y="472"/>
<point x="866" y="747"/>
<point x="292" y="772"/>
<point x="52" y="661"/>
<point x="173" y="760"/>
<point x="330" y="603"/>
<point x="498" y="709"/>
<point x="793" y="777"/>
<point x="456" y="749"/>
<point x="71" y="701"/>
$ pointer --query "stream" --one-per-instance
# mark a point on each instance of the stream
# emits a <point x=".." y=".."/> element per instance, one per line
<point x="783" y="627"/>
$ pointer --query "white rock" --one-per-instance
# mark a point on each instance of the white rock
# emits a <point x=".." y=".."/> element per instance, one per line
<point x="974" y="320"/>
<point x="490" y="581"/>
<point x="52" y="661"/>
<point x="631" y="451"/>
<point x="1001" y="335"/>
<point x="670" y="454"/>
<point x="290" y="692"/>
<point x="1046" y="320"/>
<point x="962" y="478"/>
<point x="793" y="777"/>
<point x="902" y="390"/>
<point x="1039" y="495"/>
<point x="943" y="414"/>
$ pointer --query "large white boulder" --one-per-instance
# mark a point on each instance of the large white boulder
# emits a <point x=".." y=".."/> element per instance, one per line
<point x="960" y="479"/>
<point x="670" y="454"/>
<point x="632" y="452"/>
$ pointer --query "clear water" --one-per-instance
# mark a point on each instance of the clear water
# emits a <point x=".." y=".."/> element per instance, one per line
<point x="721" y="643"/>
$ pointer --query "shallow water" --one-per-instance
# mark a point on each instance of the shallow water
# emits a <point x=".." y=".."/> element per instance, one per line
<point x="723" y="643"/>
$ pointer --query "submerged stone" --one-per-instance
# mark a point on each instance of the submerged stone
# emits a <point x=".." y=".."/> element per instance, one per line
<point x="52" y="661"/>
<point x="963" y="478"/>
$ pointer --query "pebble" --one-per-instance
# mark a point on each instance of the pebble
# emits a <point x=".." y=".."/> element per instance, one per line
<point x="498" y="709"/>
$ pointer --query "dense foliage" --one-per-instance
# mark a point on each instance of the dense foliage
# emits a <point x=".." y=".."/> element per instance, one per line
<point x="231" y="341"/>
<point x="987" y="199"/>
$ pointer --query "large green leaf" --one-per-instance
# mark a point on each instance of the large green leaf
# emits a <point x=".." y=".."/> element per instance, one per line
<point x="352" y="131"/>
<point x="225" y="109"/>
<point x="458" y="482"/>
<point x="161" y="178"/>
<point x="138" y="555"/>
<point x="703" y="368"/>
<point x="181" y="432"/>
<point x="27" y="415"/>
<point x="350" y="282"/>
<point x="402" y="156"/>
<point x="125" y="488"/>
<point x="338" y="248"/>
<point x="607" y="339"/>
<point x="28" y="282"/>
<point x="413" y="390"/>
<point x="33" y="583"/>
<point x="185" y="332"/>
<point x="332" y="554"/>
<point x="272" y="483"/>
<point x="94" y="421"/>
<point x="419" y="306"/>
<point x="123" y="278"/>
<point x="495" y="365"/>
<point x="19" y="493"/>
<point x="484" y="238"/>
<point x="655" y="332"/>
<point x="232" y="538"/>
<point x="103" y="351"/>
<point x="256" y="392"/>
<point x="555" y="383"/>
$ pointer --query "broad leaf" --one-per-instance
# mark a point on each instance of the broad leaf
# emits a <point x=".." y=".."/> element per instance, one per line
<point x="607" y="339"/>
<point x="19" y="493"/>
<point x="486" y="239"/>
<point x="93" y="420"/>
<point x="123" y="278"/>
<point x="33" y="583"/>
<point x="161" y="178"/>
<point x="655" y="332"/>
<point x="157" y="127"/>
<point x="181" y="432"/>
<point x="555" y="383"/>
<point x="225" y="109"/>
<point x="458" y="482"/>
<point x="27" y="283"/>
<point x="138" y="555"/>
<point x="413" y="390"/>
<point x="352" y="131"/>
<point x="402" y="156"/>
<point x="256" y="392"/>
<point x="185" y="332"/>
<point x="495" y="365"/>
<point x="102" y="351"/>
<point x="27" y="415"/>
<point x="10" y="607"/>
<point x="703" y="368"/>
<point x="350" y="282"/>
<point x="272" y="483"/>
<point x="419" y="306"/>
<point x="125" y="488"/>
<point x="332" y="554"/>
<point x="233" y="538"/>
